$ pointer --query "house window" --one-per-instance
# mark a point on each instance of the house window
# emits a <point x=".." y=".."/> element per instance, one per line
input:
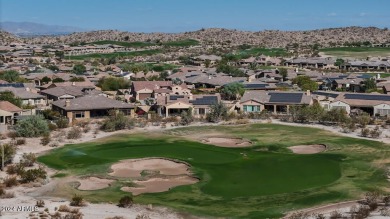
<point x="37" y="101"/>
<point x="2" y="119"/>
<point x="248" y="108"/>
<point x="383" y="112"/>
<point x="79" y="115"/>
<point x="202" y="111"/>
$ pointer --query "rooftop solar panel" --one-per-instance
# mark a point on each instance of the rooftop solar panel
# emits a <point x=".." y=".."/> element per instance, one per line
<point x="205" y="100"/>
<point x="367" y="97"/>
<point x="255" y="86"/>
<point x="12" y="85"/>
<point x="175" y="97"/>
<point x="333" y="95"/>
<point x="285" y="97"/>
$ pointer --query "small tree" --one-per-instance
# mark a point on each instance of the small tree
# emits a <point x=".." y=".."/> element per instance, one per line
<point x="32" y="126"/>
<point x="9" y="153"/>
<point x="79" y="69"/>
<point x="233" y="91"/>
<point x="283" y="72"/>
<point x="10" y="97"/>
<point x="125" y="201"/>
<point x="369" y="85"/>
<point x="77" y="200"/>
<point x="186" y="117"/>
<point x="217" y="112"/>
<point x="116" y="120"/>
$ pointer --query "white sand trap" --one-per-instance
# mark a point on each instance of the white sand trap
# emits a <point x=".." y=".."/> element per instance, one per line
<point x="227" y="142"/>
<point x="94" y="183"/>
<point x="133" y="168"/>
<point x="155" y="185"/>
<point x="308" y="149"/>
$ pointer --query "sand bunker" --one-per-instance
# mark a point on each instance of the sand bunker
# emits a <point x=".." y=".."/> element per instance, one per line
<point x="227" y="142"/>
<point x="133" y="168"/>
<point x="308" y="149"/>
<point x="154" y="185"/>
<point x="94" y="183"/>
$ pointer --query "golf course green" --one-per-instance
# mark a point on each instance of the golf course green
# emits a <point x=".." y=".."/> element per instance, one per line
<point x="261" y="181"/>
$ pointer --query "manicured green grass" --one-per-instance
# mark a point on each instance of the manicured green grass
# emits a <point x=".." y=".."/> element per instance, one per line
<point x="115" y="54"/>
<point x="262" y="181"/>
<point x="178" y="43"/>
<point x="122" y="43"/>
<point x="182" y="43"/>
<point x="356" y="52"/>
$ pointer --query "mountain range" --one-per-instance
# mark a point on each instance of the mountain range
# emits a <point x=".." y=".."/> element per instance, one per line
<point x="36" y="29"/>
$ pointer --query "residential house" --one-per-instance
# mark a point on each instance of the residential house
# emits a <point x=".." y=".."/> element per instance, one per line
<point x="142" y="90"/>
<point x="276" y="102"/>
<point x="374" y="104"/>
<point x="90" y="106"/>
<point x="8" y="113"/>
<point x="28" y="96"/>
<point x="174" y="105"/>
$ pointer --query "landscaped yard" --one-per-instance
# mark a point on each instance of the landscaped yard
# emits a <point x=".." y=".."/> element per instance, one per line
<point x="356" y="52"/>
<point x="261" y="181"/>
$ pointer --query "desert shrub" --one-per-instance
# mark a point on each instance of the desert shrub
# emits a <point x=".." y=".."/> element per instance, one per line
<point x="64" y="208"/>
<point x="74" y="133"/>
<point x="375" y="133"/>
<point x="217" y="112"/>
<point x="7" y="195"/>
<point x="15" y="169"/>
<point x="32" y="175"/>
<point x="45" y="140"/>
<point x="32" y="126"/>
<point x="12" y="135"/>
<point x="40" y="203"/>
<point x="299" y="215"/>
<point x="50" y="114"/>
<point x="86" y="129"/>
<point x="362" y="212"/>
<point x="11" y="169"/>
<point x="62" y="122"/>
<point x="335" y="215"/>
<point x="385" y="212"/>
<point x="365" y="132"/>
<point x="186" y="117"/>
<point x="10" y="181"/>
<point x="142" y="216"/>
<point x="363" y="119"/>
<point x="170" y="119"/>
<point x="2" y="190"/>
<point x="9" y="153"/>
<point x="20" y="141"/>
<point x="126" y="201"/>
<point x="28" y="160"/>
<point x="116" y="120"/>
<point x="51" y="126"/>
<point x="77" y="200"/>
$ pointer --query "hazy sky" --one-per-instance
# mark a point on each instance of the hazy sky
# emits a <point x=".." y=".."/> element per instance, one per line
<point x="187" y="15"/>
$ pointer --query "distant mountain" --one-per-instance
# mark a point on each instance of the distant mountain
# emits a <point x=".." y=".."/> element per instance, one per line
<point x="329" y="37"/>
<point x="36" y="29"/>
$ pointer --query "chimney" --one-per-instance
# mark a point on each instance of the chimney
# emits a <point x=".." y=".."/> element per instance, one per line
<point x="27" y="89"/>
<point x="73" y="83"/>
<point x="308" y="93"/>
<point x="67" y="103"/>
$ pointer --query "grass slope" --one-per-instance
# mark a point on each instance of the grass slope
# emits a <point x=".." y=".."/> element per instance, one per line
<point x="356" y="52"/>
<point x="268" y="181"/>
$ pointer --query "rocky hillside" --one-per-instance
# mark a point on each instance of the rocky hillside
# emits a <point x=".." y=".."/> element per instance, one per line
<point x="267" y="38"/>
<point x="7" y="38"/>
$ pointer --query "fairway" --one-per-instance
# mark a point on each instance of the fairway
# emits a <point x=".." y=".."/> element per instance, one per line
<point x="265" y="180"/>
<point x="356" y="52"/>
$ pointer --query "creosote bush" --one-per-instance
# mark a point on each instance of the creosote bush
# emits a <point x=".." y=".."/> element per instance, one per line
<point x="125" y="201"/>
<point x="32" y="126"/>
<point x="74" y="133"/>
